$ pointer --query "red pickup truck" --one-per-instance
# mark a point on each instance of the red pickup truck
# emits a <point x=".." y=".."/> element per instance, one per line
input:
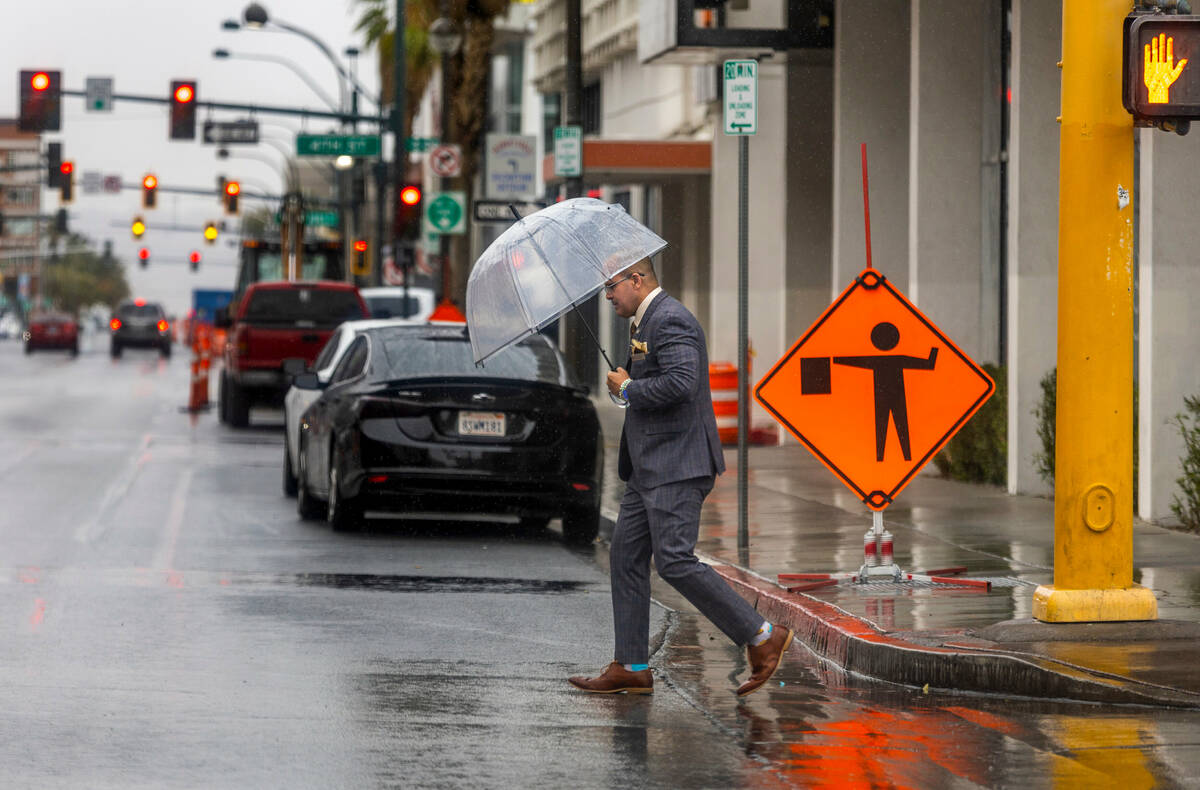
<point x="271" y="323"/>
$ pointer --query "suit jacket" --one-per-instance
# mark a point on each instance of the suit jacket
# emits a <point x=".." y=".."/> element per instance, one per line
<point x="670" y="432"/>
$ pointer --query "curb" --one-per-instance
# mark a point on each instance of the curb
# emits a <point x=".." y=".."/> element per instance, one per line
<point x="856" y="645"/>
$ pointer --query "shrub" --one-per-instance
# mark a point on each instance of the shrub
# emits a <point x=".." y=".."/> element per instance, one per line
<point x="1187" y="509"/>
<point x="1046" y="413"/>
<point x="978" y="453"/>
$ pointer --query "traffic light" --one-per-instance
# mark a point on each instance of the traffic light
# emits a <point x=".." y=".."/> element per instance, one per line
<point x="149" y="191"/>
<point x="138" y="227"/>
<point x="41" y="101"/>
<point x="144" y="257"/>
<point x="183" y="110"/>
<point x="194" y="260"/>
<point x="210" y="233"/>
<point x="53" y="163"/>
<point x="360" y="264"/>
<point x="1161" y="53"/>
<point x="408" y="213"/>
<point x="232" y="190"/>
<point x="66" y="182"/>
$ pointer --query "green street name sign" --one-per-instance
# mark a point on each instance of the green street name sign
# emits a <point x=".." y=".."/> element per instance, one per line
<point x="337" y="145"/>
<point x="421" y="144"/>
<point x="315" y="219"/>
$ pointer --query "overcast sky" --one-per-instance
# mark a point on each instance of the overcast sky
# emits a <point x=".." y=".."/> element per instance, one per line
<point x="143" y="46"/>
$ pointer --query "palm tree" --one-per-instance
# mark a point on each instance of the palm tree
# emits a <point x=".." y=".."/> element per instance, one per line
<point x="470" y="68"/>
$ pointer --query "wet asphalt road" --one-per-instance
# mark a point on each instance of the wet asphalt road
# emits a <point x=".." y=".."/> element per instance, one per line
<point x="168" y="621"/>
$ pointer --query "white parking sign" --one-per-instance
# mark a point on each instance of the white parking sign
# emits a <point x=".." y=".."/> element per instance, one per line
<point x="741" y="97"/>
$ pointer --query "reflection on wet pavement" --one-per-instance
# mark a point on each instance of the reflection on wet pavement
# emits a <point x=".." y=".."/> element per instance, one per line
<point x="818" y="727"/>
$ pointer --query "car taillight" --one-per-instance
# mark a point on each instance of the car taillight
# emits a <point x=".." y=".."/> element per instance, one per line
<point x="241" y="343"/>
<point x="581" y="486"/>
<point x="162" y="326"/>
<point x="114" y="324"/>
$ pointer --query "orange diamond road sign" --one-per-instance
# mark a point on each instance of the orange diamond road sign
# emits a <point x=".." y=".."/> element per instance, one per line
<point x="874" y="389"/>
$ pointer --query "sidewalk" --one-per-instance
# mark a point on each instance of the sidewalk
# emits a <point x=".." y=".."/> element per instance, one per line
<point x="803" y="520"/>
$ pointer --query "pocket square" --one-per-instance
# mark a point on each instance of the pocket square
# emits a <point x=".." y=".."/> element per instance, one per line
<point x="638" y="345"/>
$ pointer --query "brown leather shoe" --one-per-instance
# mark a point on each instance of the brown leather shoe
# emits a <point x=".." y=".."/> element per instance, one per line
<point x="616" y="679"/>
<point x="765" y="659"/>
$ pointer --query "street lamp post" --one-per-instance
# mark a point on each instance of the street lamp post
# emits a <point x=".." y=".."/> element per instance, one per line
<point x="224" y="54"/>
<point x="255" y="17"/>
<point x="444" y="39"/>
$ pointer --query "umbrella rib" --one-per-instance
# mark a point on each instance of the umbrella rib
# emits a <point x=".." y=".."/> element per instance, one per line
<point x="567" y="293"/>
<point x="512" y="273"/>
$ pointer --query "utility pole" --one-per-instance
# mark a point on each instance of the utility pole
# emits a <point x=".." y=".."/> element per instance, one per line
<point x="580" y="351"/>
<point x="399" y="153"/>
<point x="1093" y="470"/>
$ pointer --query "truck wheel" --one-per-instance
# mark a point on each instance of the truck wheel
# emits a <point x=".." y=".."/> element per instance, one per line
<point x="222" y="401"/>
<point x="239" y="405"/>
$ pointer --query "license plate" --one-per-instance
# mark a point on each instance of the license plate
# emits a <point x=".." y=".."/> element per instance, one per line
<point x="481" y="423"/>
<point x="53" y="330"/>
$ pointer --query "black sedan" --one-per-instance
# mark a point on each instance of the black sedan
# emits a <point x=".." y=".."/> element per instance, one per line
<point x="409" y="424"/>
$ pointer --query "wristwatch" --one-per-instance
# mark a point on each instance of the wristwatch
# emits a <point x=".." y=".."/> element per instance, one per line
<point x="624" y="386"/>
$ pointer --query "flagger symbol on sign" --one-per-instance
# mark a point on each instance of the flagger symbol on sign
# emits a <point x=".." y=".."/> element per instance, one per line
<point x="888" y="369"/>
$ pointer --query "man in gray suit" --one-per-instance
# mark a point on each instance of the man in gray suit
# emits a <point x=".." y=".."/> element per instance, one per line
<point x="670" y="456"/>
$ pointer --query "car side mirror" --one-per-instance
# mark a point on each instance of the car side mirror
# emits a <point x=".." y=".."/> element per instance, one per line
<point x="306" y="381"/>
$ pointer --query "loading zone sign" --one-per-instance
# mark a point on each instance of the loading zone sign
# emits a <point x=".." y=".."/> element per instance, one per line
<point x="741" y="96"/>
<point x="874" y="389"/>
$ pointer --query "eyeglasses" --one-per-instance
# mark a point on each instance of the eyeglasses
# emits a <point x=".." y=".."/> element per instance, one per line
<point x="608" y="287"/>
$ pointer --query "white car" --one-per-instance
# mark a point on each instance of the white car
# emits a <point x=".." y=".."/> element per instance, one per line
<point x="297" y="400"/>
<point x="388" y="302"/>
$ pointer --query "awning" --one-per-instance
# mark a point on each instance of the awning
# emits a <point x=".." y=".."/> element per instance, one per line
<point x="642" y="161"/>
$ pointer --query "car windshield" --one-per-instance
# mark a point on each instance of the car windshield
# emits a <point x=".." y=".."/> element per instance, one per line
<point x="130" y="311"/>
<point x="393" y="306"/>
<point x="411" y="355"/>
<point x="318" y="306"/>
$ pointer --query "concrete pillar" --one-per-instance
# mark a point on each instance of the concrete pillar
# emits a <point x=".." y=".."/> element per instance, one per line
<point x="1032" y="230"/>
<point x="870" y="105"/>
<point x="809" y="198"/>
<point x="1169" y="279"/>
<point x="769" y="216"/>
<point x="950" y="53"/>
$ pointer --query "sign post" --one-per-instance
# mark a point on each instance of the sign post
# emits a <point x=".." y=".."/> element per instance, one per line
<point x="741" y="120"/>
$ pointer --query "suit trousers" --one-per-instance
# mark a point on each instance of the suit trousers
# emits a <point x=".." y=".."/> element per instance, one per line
<point x="664" y="522"/>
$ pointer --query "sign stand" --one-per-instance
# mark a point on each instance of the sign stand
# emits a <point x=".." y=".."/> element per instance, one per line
<point x="925" y="409"/>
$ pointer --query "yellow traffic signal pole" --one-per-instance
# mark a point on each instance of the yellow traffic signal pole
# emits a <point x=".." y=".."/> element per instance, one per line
<point x="1093" y="476"/>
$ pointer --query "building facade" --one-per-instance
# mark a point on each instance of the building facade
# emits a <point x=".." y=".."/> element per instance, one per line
<point x="957" y="105"/>
<point x="20" y="206"/>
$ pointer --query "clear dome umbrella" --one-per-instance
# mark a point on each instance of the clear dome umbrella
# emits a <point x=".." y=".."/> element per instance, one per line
<point x="548" y="263"/>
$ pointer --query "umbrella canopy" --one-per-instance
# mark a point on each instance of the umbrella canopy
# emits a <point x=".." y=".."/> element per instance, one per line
<point x="547" y="263"/>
